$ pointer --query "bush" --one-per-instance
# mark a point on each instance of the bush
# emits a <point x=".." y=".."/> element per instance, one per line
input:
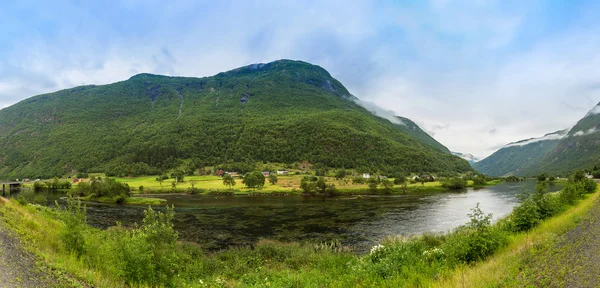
<point x="589" y="186"/>
<point x="254" y="180"/>
<point x="40" y="200"/>
<point x="358" y="180"/>
<point x="75" y="220"/>
<point x="102" y="187"/>
<point x="479" y="181"/>
<point x="22" y="200"/>
<point x="373" y="183"/>
<point x="455" y="183"/>
<point x="476" y="240"/>
<point x="525" y="216"/>
<point x="542" y="177"/>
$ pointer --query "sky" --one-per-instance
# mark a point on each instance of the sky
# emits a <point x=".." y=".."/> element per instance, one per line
<point x="475" y="75"/>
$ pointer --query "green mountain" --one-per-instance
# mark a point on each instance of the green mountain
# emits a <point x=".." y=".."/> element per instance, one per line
<point x="580" y="149"/>
<point x="284" y="112"/>
<point x="557" y="153"/>
<point x="517" y="158"/>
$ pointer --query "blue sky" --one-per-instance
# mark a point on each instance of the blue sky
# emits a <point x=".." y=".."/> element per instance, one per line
<point x="474" y="74"/>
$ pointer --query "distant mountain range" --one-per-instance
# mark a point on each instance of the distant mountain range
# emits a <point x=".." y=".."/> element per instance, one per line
<point x="469" y="157"/>
<point x="283" y="112"/>
<point x="558" y="153"/>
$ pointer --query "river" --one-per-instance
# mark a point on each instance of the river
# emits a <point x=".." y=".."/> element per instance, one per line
<point x="225" y="221"/>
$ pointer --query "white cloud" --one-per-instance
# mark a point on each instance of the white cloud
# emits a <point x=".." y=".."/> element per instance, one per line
<point x="373" y="108"/>
<point x="594" y="111"/>
<point x="470" y="67"/>
<point x="585" y="132"/>
<point x="556" y="136"/>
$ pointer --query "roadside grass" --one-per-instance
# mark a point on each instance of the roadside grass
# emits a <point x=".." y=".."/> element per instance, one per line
<point x="505" y="268"/>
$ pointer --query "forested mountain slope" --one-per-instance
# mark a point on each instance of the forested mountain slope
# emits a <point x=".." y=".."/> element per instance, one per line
<point x="517" y="157"/>
<point x="580" y="149"/>
<point x="284" y="111"/>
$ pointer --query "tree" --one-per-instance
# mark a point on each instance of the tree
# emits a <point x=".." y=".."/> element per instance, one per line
<point x="193" y="183"/>
<point x="254" y="180"/>
<point x="399" y="179"/>
<point x="387" y="185"/>
<point x="178" y="176"/>
<point x="579" y="175"/>
<point x="273" y="179"/>
<point x="340" y="174"/>
<point x="308" y="185"/>
<point x="542" y="177"/>
<point x="321" y="185"/>
<point x="160" y="180"/>
<point x="373" y="185"/>
<point x="228" y="181"/>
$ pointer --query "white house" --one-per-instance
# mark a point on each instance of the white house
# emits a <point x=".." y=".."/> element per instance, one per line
<point x="282" y="172"/>
<point x="366" y="175"/>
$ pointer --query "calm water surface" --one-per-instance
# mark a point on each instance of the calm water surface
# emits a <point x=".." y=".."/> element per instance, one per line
<point x="220" y="222"/>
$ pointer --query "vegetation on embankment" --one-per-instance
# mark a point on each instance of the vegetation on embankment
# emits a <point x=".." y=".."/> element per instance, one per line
<point x="110" y="191"/>
<point x="150" y="255"/>
<point x="511" y="265"/>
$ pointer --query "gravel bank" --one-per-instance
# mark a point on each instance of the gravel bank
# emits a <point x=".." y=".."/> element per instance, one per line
<point x="573" y="260"/>
<point x="17" y="267"/>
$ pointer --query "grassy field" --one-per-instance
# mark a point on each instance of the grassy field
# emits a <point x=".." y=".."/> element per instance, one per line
<point x="289" y="184"/>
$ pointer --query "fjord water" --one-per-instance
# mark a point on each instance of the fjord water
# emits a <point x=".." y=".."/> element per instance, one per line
<point x="220" y="222"/>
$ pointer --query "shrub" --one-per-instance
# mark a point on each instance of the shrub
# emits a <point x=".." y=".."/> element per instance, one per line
<point x="358" y="180"/>
<point x="308" y="185"/>
<point x="40" y="200"/>
<point x="542" y="177"/>
<point x="476" y="240"/>
<point x="254" y="180"/>
<point x="455" y="183"/>
<point x="22" y="200"/>
<point x="75" y="220"/>
<point x="373" y="183"/>
<point x="547" y="204"/>
<point x="330" y="189"/>
<point x="479" y="181"/>
<point x="589" y="186"/>
<point x="525" y="216"/>
<point x="39" y="185"/>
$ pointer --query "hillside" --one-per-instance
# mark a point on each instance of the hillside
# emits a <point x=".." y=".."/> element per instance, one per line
<point x="284" y="111"/>
<point x="580" y="149"/>
<point x="467" y="156"/>
<point x="517" y="157"/>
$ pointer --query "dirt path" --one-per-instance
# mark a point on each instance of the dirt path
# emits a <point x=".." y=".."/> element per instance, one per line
<point x="573" y="260"/>
<point x="17" y="267"/>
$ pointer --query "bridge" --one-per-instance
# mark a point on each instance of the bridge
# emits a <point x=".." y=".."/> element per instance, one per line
<point x="10" y="185"/>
